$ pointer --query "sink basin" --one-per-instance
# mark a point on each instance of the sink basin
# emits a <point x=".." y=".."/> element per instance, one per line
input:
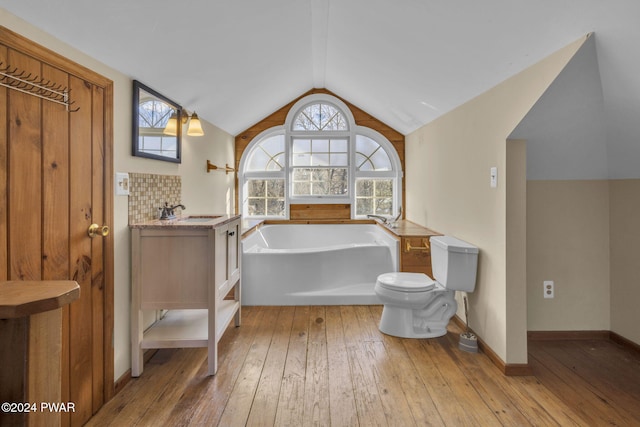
<point x="199" y="218"/>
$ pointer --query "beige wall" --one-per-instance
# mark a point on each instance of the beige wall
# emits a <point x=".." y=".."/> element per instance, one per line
<point x="584" y="235"/>
<point x="624" y="196"/>
<point x="568" y="242"/>
<point x="447" y="182"/>
<point x="516" y="249"/>
<point x="202" y="192"/>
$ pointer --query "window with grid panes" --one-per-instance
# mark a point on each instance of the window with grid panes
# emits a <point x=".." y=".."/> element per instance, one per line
<point x="319" y="155"/>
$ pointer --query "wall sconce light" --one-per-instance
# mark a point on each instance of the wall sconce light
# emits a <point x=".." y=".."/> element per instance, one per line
<point x="171" y="128"/>
<point x="194" y="128"/>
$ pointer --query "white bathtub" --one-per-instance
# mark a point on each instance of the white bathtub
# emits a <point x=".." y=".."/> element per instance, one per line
<point x="315" y="264"/>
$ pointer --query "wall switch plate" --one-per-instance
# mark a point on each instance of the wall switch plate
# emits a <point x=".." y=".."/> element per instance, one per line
<point x="549" y="288"/>
<point x="494" y="177"/>
<point x="122" y="184"/>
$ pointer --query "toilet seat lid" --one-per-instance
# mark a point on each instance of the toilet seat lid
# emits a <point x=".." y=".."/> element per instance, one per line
<point x="406" y="282"/>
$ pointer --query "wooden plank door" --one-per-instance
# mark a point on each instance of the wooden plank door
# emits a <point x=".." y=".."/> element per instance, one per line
<point x="54" y="166"/>
<point x="85" y="334"/>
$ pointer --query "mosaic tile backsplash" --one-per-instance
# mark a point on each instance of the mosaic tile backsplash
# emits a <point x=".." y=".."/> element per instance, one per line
<point x="148" y="192"/>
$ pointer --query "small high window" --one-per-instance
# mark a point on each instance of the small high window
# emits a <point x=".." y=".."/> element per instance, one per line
<point x="320" y="117"/>
<point x="320" y="156"/>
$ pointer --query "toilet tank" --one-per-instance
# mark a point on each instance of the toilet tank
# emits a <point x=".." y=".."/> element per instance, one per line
<point x="454" y="263"/>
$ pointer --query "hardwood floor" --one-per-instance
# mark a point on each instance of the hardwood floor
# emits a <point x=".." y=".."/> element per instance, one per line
<point x="329" y="365"/>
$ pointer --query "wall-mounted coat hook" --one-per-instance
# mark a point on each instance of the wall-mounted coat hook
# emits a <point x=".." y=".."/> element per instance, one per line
<point x="35" y="86"/>
<point x="226" y="168"/>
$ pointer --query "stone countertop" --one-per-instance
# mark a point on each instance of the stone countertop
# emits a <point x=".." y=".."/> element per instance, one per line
<point x="188" y="221"/>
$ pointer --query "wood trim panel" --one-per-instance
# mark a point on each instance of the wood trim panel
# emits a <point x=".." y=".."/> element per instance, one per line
<point x="567" y="335"/>
<point x="278" y="118"/>
<point x="628" y="344"/>
<point x="4" y="159"/>
<point x="109" y="267"/>
<point x="312" y="221"/>
<point x="319" y="211"/>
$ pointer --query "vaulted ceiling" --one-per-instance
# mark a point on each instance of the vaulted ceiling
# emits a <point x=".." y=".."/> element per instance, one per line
<point x="404" y="61"/>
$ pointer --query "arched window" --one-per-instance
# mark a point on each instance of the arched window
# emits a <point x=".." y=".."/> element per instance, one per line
<point x="320" y="156"/>
<point x="376" y="179"/>
<point x="263" y="178"/>
<point x="320" y="117"/>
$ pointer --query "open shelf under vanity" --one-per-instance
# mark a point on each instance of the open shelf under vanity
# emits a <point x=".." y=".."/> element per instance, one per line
<point x="188" y="328"/>
<point x="191" y="269"/>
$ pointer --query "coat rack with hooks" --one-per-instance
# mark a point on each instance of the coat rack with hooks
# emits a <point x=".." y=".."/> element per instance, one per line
<point x="226" y="168"/>
<point x="35" y="86"/>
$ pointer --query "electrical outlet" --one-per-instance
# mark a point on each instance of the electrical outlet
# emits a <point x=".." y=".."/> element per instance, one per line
<point x="549" y="288"/>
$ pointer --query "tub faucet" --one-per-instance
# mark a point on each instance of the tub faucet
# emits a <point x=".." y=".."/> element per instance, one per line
<point x="383" y="219"/>
<point x="394" y="223"/>
<point x="167" y="211"/>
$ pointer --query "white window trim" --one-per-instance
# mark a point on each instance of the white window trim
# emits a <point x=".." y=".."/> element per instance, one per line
<point x="243" y="176"/>
<point x="396" y="174"/>
<point x="290" y="134"/>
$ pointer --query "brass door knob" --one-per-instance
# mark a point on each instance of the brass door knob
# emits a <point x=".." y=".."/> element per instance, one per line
<point x="96" y="230"/>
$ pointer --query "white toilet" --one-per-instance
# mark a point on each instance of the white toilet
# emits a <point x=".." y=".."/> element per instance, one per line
<point x="415" y="306"/>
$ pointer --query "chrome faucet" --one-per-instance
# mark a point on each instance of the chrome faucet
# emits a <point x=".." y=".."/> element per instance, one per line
<point x="167" y="211"/>
<point x="394" y="223"/>
<point x="383" y="219"/>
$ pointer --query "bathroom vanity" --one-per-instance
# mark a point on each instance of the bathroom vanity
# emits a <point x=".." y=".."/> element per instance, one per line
<point x="189" y="266"/>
